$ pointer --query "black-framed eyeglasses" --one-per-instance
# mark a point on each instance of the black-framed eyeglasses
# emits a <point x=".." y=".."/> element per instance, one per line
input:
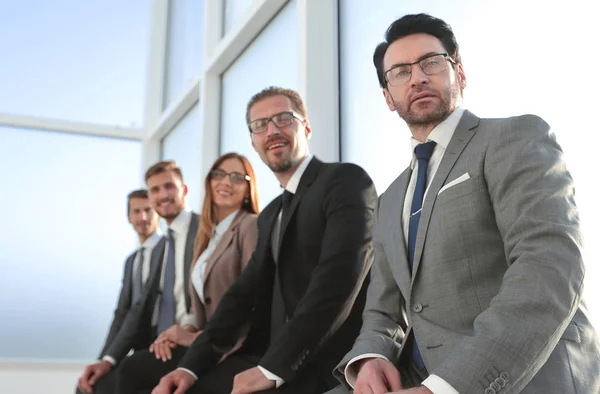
<point x="235" y="177"/>
<point x="432" y="64"/>
<point x="280" y="120"/>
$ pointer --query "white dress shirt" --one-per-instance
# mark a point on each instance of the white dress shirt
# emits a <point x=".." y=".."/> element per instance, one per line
<point x="200" y="266"/>
<point x="148" y="246"/>
<point x="441" y="134"/>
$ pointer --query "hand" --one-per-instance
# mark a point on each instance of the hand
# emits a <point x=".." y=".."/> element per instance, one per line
<point x="178" y="335"/>
<point x="251" y="381"/>
<point x="91" y="374"/>
<point x="377" y="376"/>
<point x="416" y="390"/>
<point x="162" y="350"/>
<point x="177" y="379"/>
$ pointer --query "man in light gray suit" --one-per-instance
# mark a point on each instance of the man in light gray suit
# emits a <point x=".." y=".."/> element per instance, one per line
<point x="477" y="281"/>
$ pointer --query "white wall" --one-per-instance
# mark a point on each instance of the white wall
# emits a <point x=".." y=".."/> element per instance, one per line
<point x="39" y="377"/>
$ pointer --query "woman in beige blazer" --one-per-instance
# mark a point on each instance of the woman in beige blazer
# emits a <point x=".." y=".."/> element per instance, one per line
<point x="226" y="238"/>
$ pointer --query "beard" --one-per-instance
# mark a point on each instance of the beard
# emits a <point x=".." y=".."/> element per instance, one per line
<point x="411" y="114"/>
<point x="283" y="166"/>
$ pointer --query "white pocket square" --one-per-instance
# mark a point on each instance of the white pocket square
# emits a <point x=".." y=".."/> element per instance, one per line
<point x="455" y="182"/>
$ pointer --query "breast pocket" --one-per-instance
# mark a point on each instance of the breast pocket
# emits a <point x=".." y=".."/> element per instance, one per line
<point x="462" y="189"/>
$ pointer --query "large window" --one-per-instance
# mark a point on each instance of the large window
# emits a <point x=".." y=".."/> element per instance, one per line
<point x="64" y="240"/>
<point x="75" y="60"/>
<point x="184" y="47"/>
<point x="182" y="144"/>
<point x="516" y="62"/>
<point x="233" y="10"/>
<point x="270" y="60"/>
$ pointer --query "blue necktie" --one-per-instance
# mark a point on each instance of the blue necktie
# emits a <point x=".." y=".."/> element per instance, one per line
<point x="166" y="317"/>
<point x="423" y="153"/>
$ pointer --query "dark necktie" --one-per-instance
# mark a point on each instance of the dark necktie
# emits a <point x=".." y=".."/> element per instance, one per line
<point x="278" y="313"/>
<point x="423" y="153"/>
<point x="138" y="278"/>
<point x="166" y="317"/>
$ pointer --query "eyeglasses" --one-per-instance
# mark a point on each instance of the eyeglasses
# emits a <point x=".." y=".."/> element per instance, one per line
<point x="432" y="64"/>
<point x="280" y="120"/>
<point x="235" y="177"/>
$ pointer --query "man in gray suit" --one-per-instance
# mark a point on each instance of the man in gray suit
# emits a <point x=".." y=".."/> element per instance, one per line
<point x="144" y="220"/>
<point x="477" y="281"/>
<point x="166" y="300"/>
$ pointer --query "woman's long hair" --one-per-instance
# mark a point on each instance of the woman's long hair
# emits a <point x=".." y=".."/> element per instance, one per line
<point x="207" y="219"/>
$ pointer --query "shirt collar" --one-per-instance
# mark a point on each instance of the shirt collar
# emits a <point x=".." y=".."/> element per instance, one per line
<point x="181" y="223"/>
<point x="292" y="185"/>
<point x="152" y="240"/>
<point x="225" y="223"/>
<point x="441" y="134"/>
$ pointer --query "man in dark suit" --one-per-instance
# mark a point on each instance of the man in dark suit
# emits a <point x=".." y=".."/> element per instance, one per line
<point x="144" y="221"/>
<point x="302" y="292"/>
<point x="166" y="299"/>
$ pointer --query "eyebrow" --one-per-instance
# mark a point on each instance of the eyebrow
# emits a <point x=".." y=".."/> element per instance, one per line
<point x="418" y="60"/>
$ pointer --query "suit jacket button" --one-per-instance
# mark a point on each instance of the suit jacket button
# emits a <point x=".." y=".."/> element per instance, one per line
<point x="505" y="376"/>
<point x="495" y="386"/>
<point x="501" y="382"/>
<point x="489" y="390"/>
<point x="294" y="367"/>
<point x="417" y="308"/>
<point x="207" y="301"/>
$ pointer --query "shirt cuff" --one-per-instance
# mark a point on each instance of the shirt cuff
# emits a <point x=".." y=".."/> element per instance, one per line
<point x="350" y="371"/>
<point x="189" y="319"/>
<point x="188" y="371"/>
<point x="438" y="385"/>
<point x="271" y="376"/>
<point x="110" y="360"/>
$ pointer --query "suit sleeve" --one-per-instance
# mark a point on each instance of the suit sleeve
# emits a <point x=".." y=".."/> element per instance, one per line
<point x="533" y="199"/>
<point x="123" y="305"/>
<point x="383" y="326"/>
<point x="344" y="262"/>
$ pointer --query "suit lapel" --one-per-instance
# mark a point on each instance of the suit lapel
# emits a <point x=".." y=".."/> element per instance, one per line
<point x="189" y="255"/>
<point x="397" y="232"/>
<point x="462" y="135"/>
<point x="306" y="180"/>
<point x="156" y="259"/>
<point x="223" y="244"/>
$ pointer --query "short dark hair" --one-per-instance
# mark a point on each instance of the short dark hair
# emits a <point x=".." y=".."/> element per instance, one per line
<point x="139" y="193"/>
<point x="271" y="91"/>
<point x="163" y="166"/>
<point x="415" y="24"/>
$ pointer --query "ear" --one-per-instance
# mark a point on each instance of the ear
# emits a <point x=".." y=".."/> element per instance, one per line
<point x="462" y="78"/>
<point x="185" y="190"/>
<point x="389" y="100"/>
<point x="307" y="130"/>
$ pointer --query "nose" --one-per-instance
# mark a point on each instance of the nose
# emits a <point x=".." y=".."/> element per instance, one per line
<point x="418" y="77"/>
<point x="163" y="193"/>
<point x="272" y="128"/>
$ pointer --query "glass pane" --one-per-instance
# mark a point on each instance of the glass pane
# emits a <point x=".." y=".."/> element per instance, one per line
<point x="507" y="75"/>
<point x="233" y="11"/>
<point x="75" y="60"/>
<point x="64" y="241"/>
<point x="184" y="46"/>
<point x="182" y="144"/>
<point x="239" y="85"/>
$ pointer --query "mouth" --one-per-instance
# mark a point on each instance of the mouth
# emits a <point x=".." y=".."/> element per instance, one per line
<point x="224" y="193"/>
<point x="165" y="204"/>
<point x="274" y="146"/>
<point x="422" y="96"/>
